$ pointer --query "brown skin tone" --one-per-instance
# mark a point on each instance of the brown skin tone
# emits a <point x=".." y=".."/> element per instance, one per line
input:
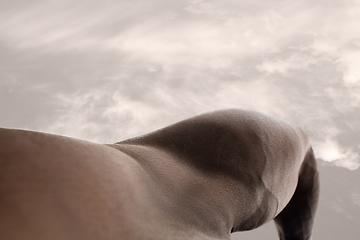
<point x="201" y="178"/>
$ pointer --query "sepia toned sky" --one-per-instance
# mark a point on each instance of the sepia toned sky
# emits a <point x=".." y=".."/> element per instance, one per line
<point x="108" y="70"/>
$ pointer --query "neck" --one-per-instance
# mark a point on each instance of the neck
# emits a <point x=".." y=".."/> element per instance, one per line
<point x="187" y="197"/>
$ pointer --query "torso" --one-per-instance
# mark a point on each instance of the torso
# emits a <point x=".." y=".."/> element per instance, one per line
<point x="151" y="187"/>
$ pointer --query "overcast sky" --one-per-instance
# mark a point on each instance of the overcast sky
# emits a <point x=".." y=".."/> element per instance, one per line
<point x="112" y="69"/>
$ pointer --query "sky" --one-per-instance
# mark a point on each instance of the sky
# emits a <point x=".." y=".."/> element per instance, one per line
<point x="109" y="70"/>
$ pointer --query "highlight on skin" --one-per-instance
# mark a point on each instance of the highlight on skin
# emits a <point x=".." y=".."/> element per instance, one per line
<point x="201" y="178"/>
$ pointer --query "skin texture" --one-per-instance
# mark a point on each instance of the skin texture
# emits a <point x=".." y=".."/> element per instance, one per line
<point x="201" y="178"/>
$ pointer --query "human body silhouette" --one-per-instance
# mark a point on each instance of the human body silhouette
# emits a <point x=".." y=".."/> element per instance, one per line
<point x="201" y="178"/>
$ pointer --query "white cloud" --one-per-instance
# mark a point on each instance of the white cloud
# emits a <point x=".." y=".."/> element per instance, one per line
<point x="204" y="7"/>
<point x="39" y="25"/>
<point x="64" y="25"/>
<point x="195" y="44"/>
<point x="75" y="120"/>
<point x="181" y="62"/>
<point x="354" y="96"/>
<point x="107" y="115"/>
<point x="103" y="116"/>
<point x="345" y="99"/>
<point x="284" y="65"/>
<point x="351" y="70"/>
<point x="327" y="147"/>
<point x="324" y="46"/>
<point x="351" y="161"/>
<point x="273" y="20"/>
<point x="152" y="38"/>
<point x="330" y="151"/>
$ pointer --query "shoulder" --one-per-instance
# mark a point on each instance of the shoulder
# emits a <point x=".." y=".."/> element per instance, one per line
<point x="24" y="146"/>
<point x="245" y="123"/>
<point x="18" y="140"/>
<point x="241" y="119"/>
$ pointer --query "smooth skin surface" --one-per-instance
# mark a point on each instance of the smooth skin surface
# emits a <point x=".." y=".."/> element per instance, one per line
<point x="201" y="178"/>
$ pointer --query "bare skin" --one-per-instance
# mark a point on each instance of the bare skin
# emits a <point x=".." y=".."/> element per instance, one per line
<point x="201" y="178"/>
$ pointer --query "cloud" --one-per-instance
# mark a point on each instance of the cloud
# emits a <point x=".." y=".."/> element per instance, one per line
<point x="26" y="28"/>
<point x="204" y="7"/>
<point x="121" y="109"/>
<point x="355" y="196"/>
<point x="284" y="65"/>
<point x="66" y="25"/>
<point x="115" y="112"/>
<point x="321" y="45"/>
<point x="327" y="148"/>
<point x="330" y="151"/>
<point x="137" y="66"/>
<point x="8" y="82"/>
<point x="349" y="61"/>
<point x="78" y="115"/>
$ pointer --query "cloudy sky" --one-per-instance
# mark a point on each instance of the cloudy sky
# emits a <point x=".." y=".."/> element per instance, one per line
<point x="108" y="70"/>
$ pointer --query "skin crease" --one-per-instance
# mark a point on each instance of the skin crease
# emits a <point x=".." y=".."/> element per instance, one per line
<point x="201" y="178"/>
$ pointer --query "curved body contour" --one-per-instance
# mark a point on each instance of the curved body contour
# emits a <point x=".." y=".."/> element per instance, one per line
<point x="201" y="178"/>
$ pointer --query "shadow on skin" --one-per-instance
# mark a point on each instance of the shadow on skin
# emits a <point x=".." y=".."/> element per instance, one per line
<point x="201" y="178"/>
